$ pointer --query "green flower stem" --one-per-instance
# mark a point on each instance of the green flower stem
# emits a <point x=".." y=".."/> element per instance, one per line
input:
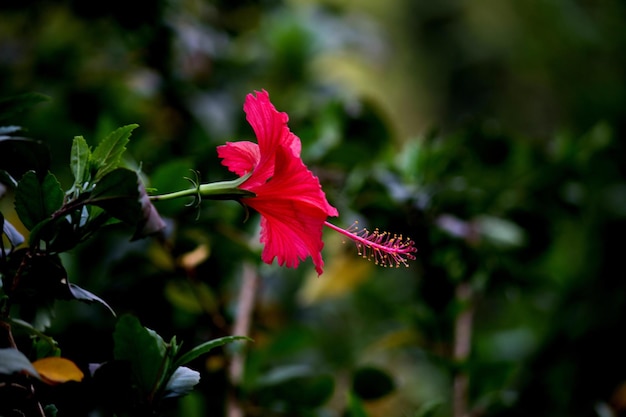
<point x="223" y="190"/>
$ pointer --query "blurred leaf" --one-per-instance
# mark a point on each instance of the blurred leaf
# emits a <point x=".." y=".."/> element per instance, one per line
<point x="143" y="348"/>
<point x="297" y="386"/>
<point x="7" y="130"/>
<point x="371" y="383"/>
<point x="181" y="382"/>
<point x="11" y="106"/>
<point x="50" y="410"/>
<point x="169" y="176"/>
<point x="12" y="360"/>
<point x="35" y="201"/>
<point x="501" y="233"/>
<point x="355" y="406"/>
<point x="342" y="275"/>
<point x="55" y="370"/>
<point x="79" y="161"/>
<point x="191" y="297"/>
<point x="206" y="347"/>
<point x="107" y="155"/>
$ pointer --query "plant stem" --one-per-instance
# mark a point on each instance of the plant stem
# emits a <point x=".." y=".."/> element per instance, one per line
<point x="462" y="347"/>
<point x="245" y="308"/>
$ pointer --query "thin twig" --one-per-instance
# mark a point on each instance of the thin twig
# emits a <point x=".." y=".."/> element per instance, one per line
<point x="462" y="348"/>
<point x="245" y="309"/>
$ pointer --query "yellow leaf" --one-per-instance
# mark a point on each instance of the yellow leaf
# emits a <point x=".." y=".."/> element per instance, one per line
<point x="54" y="370"/>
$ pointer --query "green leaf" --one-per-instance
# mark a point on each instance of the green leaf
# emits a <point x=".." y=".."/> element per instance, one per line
<point x="79" y="161"/>
<point x="181" y="382"/>
<point x="107" y="155"/>
<point x="295" y="385"/>
<point x="121" y="194"/>
<point x="206" y="347"/>
<point x="143" y="348"/>
<point x="355" y="406"/>
<point x="35" y="201"/>
<point x="10" y="106"/>
<point x="12" y="360"/>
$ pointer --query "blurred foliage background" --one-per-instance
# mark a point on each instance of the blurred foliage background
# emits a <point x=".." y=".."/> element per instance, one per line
<point x="491" y="132"/>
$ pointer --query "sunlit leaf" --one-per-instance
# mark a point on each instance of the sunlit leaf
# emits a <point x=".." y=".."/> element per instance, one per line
<point x="107" y="155"/>
<point x="79" y="161"/>
<point x="55" y="370"/>
<point x="12" y="360"/>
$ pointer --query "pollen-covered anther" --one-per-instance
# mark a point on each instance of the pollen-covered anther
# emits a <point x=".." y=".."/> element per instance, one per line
<point x="382" y="248"/>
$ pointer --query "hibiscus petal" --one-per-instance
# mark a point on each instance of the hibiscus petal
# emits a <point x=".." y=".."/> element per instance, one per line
<point x="294" y="209"/>
<point x="239" y="157"/>
<point x="269" y="125"/>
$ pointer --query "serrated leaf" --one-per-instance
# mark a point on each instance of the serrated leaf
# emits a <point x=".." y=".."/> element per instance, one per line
<point x="12" y="360"/>
<point x="206" y="347"/>
<point x="107" y="155"/>
<point x="181" y="382"/>
<point x="143" y="348"/>
<point x="55" y="370"/>
<point x="79" y="161"/>
<point x="36" y="201"/>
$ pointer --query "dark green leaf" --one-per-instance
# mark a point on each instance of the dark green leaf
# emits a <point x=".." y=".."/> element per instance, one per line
<point x="181" y="382"/>
<point x="79" y="161"/>
<point x="143" y="348"/>
<point x="51" y="410"/>
<point x="12" y="360"/>
<point x="121" y="194"/>
<point x="298" y="386"/>
<point x="107" y="155"/>
<point x="35" y="201"/>
<point x="10" y="106"/>
<point x="206" y="347"/>
<point x="371" y="383"/>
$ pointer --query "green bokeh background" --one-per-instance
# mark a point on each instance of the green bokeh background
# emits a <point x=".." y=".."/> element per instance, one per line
<point x="491" y="132"/>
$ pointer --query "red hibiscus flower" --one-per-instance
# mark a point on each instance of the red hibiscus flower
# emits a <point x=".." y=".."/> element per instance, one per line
<point x="288" y="196"/>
